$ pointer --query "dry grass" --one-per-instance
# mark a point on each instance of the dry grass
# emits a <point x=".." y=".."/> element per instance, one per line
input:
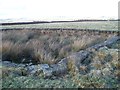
<point x="45" y="46"/>
<point x="85" y="41"/>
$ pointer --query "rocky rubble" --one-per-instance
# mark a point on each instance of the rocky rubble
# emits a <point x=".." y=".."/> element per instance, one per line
<point x="107" y="43"/>
<point x="78" y="62"/>
<point x="83" y="62"/>
<point x="95" y="67"/>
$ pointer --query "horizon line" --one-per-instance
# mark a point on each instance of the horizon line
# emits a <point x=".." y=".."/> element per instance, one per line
<point x="57" y="21"/>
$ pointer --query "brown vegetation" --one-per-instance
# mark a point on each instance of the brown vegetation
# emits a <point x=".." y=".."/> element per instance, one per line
<point x="45" y="46"/>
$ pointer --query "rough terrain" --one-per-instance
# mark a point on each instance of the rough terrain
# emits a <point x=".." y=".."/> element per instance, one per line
<point x="96" y="66"/>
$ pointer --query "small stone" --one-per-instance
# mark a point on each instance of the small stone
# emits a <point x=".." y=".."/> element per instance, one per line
<point x="106" y="72"/>
<point x="96" y="73"/>
<point x="63" y="61"/>
<point x="32" y="69"/>
<point x="21" y="65"/>
<point x="43" y="66"/>
<point x="103" y="48"/>
<point x="47" y="72"/>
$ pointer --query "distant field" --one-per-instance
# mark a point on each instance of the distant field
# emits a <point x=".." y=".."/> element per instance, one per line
<point x="98" y="25"/>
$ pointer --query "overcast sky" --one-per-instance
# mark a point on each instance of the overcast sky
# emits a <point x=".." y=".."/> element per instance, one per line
<point x="58" y="9"/>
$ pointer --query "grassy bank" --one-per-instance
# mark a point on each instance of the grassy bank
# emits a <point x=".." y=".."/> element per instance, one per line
<point x="45" y="46"/>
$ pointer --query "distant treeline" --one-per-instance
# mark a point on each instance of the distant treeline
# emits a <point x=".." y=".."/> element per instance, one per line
<point x="40" y="22"/>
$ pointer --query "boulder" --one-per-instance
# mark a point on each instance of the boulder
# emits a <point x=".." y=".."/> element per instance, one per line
<point x="62" y="64"/>
<point x="36" y="69"/>
<point x="32" y="69"/>
<point x="48" y="72"/>
<point x="43" y="66"/>
<point x="95" y="73"/>
<point x="77" y="59"/>
<point x="8" y="64"/>
<point x="107" y="43"/>
<point x="112" y="40"/>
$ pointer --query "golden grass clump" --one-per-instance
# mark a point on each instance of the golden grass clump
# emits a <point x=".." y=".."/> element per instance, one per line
<point x="86" y="41"/>
<point x="44" y="46"/>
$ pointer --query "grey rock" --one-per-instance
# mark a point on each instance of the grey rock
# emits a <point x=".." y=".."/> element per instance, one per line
<point x="108" y="42"/>
<point x="17" y="69"/>
<point x="95" y="73"/>
<point x="43" y="66"/>
<point x="112" y="40"/>
<point x="47" y="72"/>
<point x="15" y="73"/>
<point x="62" y="66"/>
<point x="8" y="64"/>
<point x="56" y="69"/>
<point x="79" y="57"/>
<point x="21" y="65"/>
<point x="32" y="69"/>
<point x="107" y="72"/>
<point x="103" y="48"/>
<point x="63" y="61"/>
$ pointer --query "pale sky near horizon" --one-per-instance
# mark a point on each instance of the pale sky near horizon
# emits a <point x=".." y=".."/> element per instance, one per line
<point x="58" y="9"/>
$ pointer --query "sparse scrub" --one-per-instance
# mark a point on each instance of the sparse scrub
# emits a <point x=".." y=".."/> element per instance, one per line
<point x="15" y="52"/>
<point x="100" y="69"/>
<point x="44" y="46"/>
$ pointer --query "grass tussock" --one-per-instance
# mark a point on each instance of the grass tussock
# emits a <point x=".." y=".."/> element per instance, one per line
<point x="45" y="46"/>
